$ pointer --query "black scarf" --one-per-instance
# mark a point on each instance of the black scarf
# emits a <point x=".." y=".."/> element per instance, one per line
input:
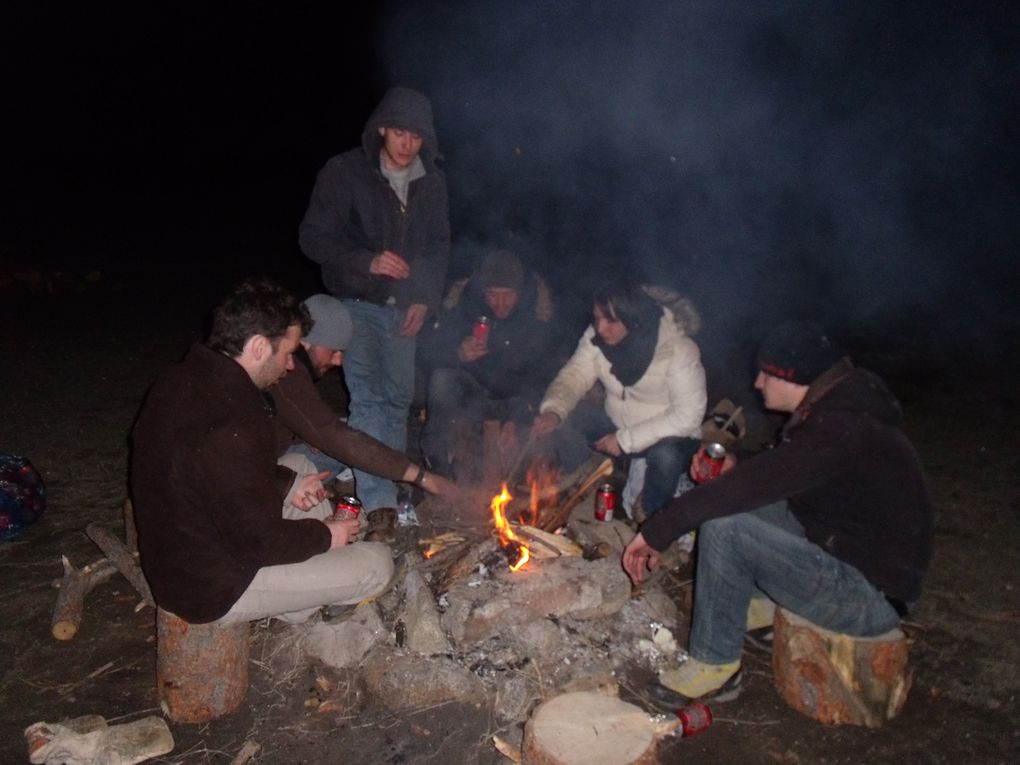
<point x="631" y="357"/>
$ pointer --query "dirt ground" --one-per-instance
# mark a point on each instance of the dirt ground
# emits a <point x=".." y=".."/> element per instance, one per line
<point x="77" y="360"/>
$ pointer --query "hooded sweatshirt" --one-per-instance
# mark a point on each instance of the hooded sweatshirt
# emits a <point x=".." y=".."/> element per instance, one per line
<point x="849" y="474"/>
<point x="354" y="213"/>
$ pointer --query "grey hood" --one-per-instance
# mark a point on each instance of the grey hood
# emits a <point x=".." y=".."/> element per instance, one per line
<point x="406" y="109"/>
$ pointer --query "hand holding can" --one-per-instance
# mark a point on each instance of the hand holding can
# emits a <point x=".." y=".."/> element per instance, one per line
<point x="710" y="460"/>
<point x="480" y="331"/>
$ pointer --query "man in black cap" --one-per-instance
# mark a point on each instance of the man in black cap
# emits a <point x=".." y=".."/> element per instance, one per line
<point x="498" y="373"/>
<point x="833" y="524"/>
<point x="378" y="225"/>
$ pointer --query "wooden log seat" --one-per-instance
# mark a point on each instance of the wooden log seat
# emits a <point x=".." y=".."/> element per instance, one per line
<point x="836" y="678"/>
<point x="589" y="728"/>
<point x="201" y="669"/>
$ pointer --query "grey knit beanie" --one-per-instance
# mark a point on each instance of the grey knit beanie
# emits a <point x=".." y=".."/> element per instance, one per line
<point x="333" y="326"/>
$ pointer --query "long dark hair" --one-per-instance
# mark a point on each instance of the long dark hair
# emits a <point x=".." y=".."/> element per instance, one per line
<point x="627" y="302"/>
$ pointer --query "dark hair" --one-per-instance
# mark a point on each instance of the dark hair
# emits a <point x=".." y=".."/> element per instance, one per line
<point x="257" y="306"/>
<point x="628" y="303"/>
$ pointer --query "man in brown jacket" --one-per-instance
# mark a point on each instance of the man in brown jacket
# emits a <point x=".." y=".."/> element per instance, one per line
<point x="208" y="492"/>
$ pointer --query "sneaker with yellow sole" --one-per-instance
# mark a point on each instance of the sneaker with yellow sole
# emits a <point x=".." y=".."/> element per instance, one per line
<point x="695" y="681"/>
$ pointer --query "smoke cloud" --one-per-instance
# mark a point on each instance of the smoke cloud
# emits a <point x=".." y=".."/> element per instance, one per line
<point x="768" y="159"/>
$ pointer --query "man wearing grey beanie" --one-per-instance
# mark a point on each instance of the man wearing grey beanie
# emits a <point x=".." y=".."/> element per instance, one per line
<point x="304" y="420"/>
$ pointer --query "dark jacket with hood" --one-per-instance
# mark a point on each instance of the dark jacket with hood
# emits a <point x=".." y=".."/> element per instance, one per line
<point x="206" y="489"/>
<point x="354" y="214"/>
<point x="520" y="362"/>
<point x="851" y="478"/>
<point x="302" y="415"/>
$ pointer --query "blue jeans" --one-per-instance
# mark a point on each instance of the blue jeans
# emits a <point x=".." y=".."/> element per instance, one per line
<point x="458" y="404"/>
<point x="764" y="551"/>
<point x="379" y="368"/>
<point x="667" y="459"/>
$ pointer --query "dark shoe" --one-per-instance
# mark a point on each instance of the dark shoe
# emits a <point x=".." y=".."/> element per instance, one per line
<point x="668" y="700"/>
<point x="382" y="525"/>
<point x="337" y="612"/>
<point x="761" y="638"/>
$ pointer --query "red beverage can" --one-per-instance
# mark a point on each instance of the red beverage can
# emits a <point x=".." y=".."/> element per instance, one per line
<point x="347" y="506"/>
<point x="713" y="459"/>
<point x="694" y="718"/>
<point x="605" y="502"/>
<point x="480" y="331"/>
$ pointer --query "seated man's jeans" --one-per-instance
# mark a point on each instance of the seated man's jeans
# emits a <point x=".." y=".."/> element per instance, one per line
<point x="457" y="406"/>
<point x="667" y="459"/>
<point x="765" y="552"/>
<point x="379" y="369"/>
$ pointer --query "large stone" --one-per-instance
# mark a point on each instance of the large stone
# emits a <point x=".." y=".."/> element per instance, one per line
<point x="346" y="644"/>
<point x="424" y="634"/>
<point x="405" y="680"/>
<point x="569" y="587"/>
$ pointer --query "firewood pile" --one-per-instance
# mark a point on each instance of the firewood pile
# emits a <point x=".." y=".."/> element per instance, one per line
<point x="119" y="557"/>
<point x="461" y="626"/>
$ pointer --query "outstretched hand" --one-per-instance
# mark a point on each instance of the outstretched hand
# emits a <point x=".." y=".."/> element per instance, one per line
<point x="639" y="558"/>
<point x="544" y="424"/>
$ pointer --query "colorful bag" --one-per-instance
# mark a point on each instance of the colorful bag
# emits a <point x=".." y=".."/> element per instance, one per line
<point x="22" y="495"/>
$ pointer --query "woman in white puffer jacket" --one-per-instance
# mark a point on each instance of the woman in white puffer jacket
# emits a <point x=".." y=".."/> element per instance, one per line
<point x="654" y="384"/>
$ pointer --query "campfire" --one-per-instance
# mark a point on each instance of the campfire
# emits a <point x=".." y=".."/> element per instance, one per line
<point x="517" y="553"/>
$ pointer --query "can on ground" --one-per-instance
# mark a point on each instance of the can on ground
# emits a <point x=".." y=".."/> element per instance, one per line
<point x="605" y="502"/>
<point x="694" y="718"/>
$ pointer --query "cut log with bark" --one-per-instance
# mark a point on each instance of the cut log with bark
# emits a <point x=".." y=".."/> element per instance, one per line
<point x="74" y="586"/>
<point x="470" y="561"/>
<point x="201" y="669"/>
<point x="124" y="559"/>
<point x="589" y="728"/>
<point x="836" y="678"/>
<point x="559" y="517"/>
<point x="543" y="544"/>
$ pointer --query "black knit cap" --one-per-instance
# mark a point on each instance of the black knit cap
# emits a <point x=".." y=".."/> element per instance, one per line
<point x="798" y="352"/>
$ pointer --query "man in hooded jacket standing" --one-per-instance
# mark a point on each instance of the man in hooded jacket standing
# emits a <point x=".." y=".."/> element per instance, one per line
<point x="378" y="225"/>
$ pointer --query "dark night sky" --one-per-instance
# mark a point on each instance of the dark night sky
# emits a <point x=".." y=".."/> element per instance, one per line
<point x="856" y="162"/>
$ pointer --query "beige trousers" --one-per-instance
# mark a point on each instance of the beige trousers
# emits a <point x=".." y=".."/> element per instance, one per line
<point x="294" y="591"/>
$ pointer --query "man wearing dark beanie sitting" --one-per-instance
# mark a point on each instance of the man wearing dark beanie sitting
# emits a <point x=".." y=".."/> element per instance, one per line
<point x="833" y="524"/>
<point x="496" y="377"/>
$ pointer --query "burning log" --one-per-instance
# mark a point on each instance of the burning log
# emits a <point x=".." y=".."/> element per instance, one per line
<point x="558" y="518"/>
<point x="76" y="584"/>
<point x="470" y="562"/>
<point x="546" y="545"/>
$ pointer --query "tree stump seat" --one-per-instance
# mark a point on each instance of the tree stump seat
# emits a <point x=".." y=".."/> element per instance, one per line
<point x="201" y="669"/>
<point x="840" y="679"/>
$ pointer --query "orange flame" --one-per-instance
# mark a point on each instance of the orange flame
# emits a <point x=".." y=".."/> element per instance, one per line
<point x="506" y="534"/>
